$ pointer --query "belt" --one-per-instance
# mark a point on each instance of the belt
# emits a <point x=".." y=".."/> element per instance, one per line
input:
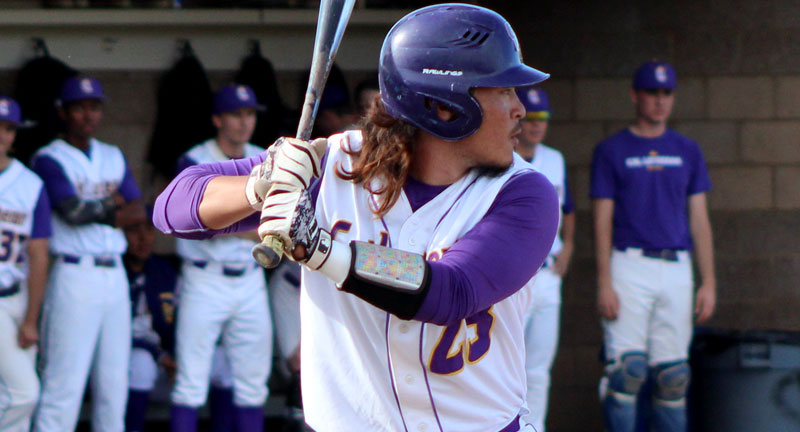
<point x="511" y="427"/>
<point x="13" y="289"/>
<point x="98" y="261"/>
<point x="226" y="271"/>
<point x="670" y="255"/>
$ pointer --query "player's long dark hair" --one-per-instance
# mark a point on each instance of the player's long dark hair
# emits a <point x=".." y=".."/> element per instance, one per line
<point x="384" y="156"/>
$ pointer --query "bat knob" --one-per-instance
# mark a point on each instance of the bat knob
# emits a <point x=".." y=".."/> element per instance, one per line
<point x="268" y="253"/>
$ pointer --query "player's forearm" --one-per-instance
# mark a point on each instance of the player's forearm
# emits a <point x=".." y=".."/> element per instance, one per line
<point x="37" y="277"/>
<point x="603" y="216"/>
<point x="224" y="202"/>
<point x="177" y="208"/>
<point x="703" y="240"/>
<point x="568" y="230"/>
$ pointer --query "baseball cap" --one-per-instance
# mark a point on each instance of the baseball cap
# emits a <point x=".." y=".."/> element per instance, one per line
<point x="81" y="88"/>
<point x="10" y="111"/>
<point x="536" y="103"/>
<point x="655" y="75"/>
<point x="235" y="96"/>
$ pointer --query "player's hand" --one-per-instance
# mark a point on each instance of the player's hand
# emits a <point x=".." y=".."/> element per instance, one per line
<point x="289" y="162"/>
<point x="607" y="301"/>
<point x="706" y="302"/>
<point x="28" y="335"/>
<point x="562" y="260"/>
<point x="289" y="213"/>
<point x="169" y="365"/>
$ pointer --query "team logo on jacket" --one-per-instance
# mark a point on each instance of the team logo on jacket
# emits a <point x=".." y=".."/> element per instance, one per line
<point x="242" y="94"/>
<point x="4" y="108"/>
<point x="661" y="74"/>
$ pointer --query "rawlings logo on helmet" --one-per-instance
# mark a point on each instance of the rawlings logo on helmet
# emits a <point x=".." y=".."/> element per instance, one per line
<point x="427" y="71"/>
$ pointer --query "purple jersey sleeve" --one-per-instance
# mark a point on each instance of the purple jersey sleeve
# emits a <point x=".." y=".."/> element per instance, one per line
<point x="55" y="180"/>
<point x="128" y="187"/>
<point x="568" y="206"/>
<point x="175" y="210"/>
<point x="603" y="184"/>
<point x="699" y="180"/>
<point x="41" y="217"/>
<point x="498" y="255"/>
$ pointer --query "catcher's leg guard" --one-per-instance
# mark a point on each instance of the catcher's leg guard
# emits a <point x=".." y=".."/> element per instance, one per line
<point x="625" y="377"/>
<point x="669" y="396"/>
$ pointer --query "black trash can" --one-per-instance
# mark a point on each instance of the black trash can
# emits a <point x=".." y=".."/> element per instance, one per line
<point x="744" y="381"/>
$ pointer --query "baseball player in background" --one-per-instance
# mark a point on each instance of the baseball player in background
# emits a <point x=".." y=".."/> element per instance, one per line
<point x="415" y="242"/>
<point x="223" y="291"/>
<point x="153" y="280"/>
<point x="86" y="329"/>
<point x="542" y="321"/>
<point x="24" y="232"/>
<point x="649" y="187"/>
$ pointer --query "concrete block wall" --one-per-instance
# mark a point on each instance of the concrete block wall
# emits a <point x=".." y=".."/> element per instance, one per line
<point x="738" y="97"/>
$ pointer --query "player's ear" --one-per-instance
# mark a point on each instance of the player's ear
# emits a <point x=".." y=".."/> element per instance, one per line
<point x="217" y="120"/>
<point x="634" y="96"/>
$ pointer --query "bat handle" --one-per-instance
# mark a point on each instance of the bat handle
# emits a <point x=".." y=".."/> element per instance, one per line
<point x="268" y="253"/>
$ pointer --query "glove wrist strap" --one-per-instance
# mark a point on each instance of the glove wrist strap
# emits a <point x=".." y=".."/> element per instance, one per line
<point x="331" y="258"/>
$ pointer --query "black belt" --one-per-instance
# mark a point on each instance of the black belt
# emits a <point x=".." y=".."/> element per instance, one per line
<point x="670" y="255"/>
<point x="226" y="271"/>
<point x="13" y="289"/>
<point x="98" y="261"/>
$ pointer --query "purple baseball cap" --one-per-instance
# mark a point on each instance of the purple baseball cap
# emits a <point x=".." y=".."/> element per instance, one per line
<point x="81" y="88"/>
<point x="10" y="111"/>
<point x="235" y="96"/>
<point x="655" y="75"/>
<point x="535" y="101"/>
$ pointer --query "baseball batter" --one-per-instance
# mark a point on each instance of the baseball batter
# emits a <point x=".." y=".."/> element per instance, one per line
<point x="24" y="232"/>
<point x="649" y="187"/>
<point x="223" y="292"/>
<point x="86" y="329"/>
<point x="542" y="322"/>
<point x="415" y="242"/>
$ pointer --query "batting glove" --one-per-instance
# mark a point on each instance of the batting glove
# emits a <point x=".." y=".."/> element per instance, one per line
<point x="289" y="162"/>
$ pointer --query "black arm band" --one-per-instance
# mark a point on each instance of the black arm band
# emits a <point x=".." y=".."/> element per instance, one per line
<point x="379" y="290"/>
<point x="80" y="212"/>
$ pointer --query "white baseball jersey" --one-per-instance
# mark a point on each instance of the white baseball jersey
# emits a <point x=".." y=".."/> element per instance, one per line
<point x="94" y="177"/>
<point x="550" y="162"/>
<point x="368" y="370"/>
<point x="19" y="192"/>
<point x="225" y="249"/>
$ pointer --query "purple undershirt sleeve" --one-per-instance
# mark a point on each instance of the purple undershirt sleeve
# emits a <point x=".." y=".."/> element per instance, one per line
<point x="175" y="210"/>
<point x="498" y="255"/>
<point x="568" y="206"/>
<point x="41" y="217"/>
<point x="128" y="187"/>
<point x="55" y="180"/>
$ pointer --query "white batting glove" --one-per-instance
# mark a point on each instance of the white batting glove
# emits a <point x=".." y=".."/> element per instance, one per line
<point x="289" y="162"/>
<point x="289" y="213"/>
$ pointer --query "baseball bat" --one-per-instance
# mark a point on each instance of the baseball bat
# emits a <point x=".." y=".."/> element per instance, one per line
<point x="331" y="23"/>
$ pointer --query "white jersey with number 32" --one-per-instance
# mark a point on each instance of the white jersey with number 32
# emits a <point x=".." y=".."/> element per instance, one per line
<point x="19" y="193"/>
<point x="367" y="370"/>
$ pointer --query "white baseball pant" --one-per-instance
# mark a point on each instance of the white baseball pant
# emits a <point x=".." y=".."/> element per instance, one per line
<point x="86" y="332"/>
<point x="19" y="385"/>
<point x="541" y="342"/>
<point x="235" y="307"/>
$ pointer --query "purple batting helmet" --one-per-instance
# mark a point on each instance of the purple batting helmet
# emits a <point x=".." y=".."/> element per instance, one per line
<point x="435" y="55"/>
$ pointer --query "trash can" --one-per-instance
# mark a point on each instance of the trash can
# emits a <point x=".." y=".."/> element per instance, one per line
<point x="744" y="381"/>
